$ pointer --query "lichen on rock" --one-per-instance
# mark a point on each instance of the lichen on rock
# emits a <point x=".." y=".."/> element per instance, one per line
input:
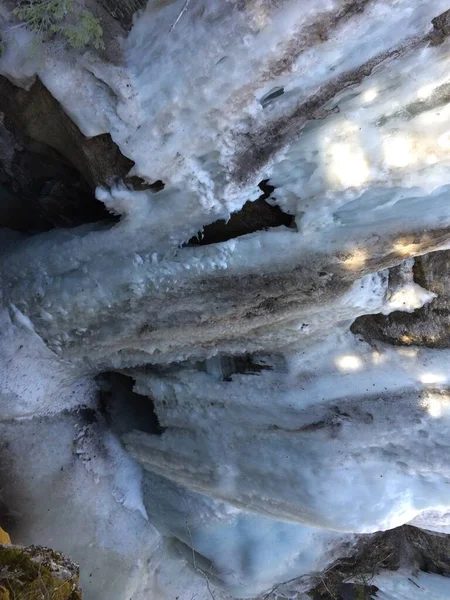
<point x="37" y="573"/>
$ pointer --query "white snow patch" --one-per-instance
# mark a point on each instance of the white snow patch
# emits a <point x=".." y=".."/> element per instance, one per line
<point x="33" y="381"/>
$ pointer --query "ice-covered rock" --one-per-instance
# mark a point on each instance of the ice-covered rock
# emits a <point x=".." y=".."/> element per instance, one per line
<point x="278" y="389"/>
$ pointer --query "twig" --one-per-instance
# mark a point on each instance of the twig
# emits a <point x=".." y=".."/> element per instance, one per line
<point x="192" y="545"/>
<point x="327" y="588"/>
<point x="207" y="584"/>
<point x="275" y="587"/>
<point x="183" y="10"/>
<point x="195" y="563"/>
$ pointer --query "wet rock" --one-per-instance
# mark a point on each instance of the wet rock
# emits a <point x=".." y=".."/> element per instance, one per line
<point x="428" y="326"/>
<point x="39" y="116"/>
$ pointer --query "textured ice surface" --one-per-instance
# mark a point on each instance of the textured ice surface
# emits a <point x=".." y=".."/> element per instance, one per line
<point x="216" y="303"/>
<point x="258" y="477"/>
<point x="345" y="420"/>
<point x="401" y="586"/>
<point x="32" y="377"/>
<point x="187" y="105"/>
<point x="68" y="486"/>
<point x="235" y="547"/>
<point x="386" y="138"/>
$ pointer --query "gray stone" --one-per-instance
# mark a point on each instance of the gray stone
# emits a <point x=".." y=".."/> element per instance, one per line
<point x="428" y="326"/>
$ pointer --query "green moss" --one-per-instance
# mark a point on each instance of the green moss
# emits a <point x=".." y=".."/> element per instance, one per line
<point x="360" y="592"/>
<point x="23" y="578"/>
<point x="88" y="30"/>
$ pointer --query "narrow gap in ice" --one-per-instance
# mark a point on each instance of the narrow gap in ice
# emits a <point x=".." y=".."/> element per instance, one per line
<point x="224" y="367"/>
<point x="254" y="216"/>
<point x="271" y="96"/>
<point x="138" y="184"/>
<point x="124" y="409"/>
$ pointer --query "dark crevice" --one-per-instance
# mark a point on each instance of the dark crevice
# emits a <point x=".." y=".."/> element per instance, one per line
<point x="87" y="415"/>
<point x="139" y="184"/>
<point x="228" y="366"/>
<point x="45" y="191"/>
<point x="48" y="169"/>
<point x="124" y="409"/>
<point x="123" y="10"/>
<point x="242" y="365"/>
<point x="271" y="96"/>
<point x="157" y="186"/>
<point x="419" y="272"/>
<point x="254" y="216"/>
<point x="266" y="188"/>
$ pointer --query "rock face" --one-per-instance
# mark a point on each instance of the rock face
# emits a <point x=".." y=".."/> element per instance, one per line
<point x="356" y="576"/>
<point x="35" y="573"/>
<point x="427" y="326"/>
<point x="50" y="170"/>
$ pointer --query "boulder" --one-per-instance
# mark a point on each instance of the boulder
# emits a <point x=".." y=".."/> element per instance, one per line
<point x="427" y="326"/>
<point x="35" y="573"/>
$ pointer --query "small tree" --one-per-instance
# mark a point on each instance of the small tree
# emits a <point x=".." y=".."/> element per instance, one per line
<point x="66" y="17"/>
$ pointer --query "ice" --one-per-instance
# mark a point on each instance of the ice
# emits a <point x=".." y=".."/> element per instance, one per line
<point x="386" y="135"/>
<point x="186" y="104"/>
<point x="68" y="486"/>
<point x="310" y="437"/>
<point x="258" y="476"/>
<point x="408" y="295"/>
<point x="401" y="586"/>
<point x="236" y="548"/>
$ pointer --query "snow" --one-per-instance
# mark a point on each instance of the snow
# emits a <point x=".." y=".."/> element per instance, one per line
<point x="68" y="486"/>
<point x="31" y="376"/>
